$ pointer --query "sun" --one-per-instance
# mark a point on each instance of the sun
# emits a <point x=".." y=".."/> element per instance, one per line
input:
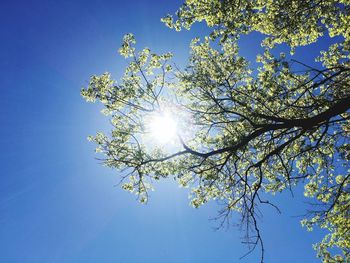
<point x="163" y="128"/>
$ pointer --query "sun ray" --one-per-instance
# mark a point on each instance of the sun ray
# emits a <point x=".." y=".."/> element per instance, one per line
<point x="163" y="128"/>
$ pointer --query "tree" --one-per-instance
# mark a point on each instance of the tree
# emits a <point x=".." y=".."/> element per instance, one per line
<point x="253" y="130"/>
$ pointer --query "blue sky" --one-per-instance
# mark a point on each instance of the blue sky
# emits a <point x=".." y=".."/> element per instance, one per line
<point x="57" y="203"/>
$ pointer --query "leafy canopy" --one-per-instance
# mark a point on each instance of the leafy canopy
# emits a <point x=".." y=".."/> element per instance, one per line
<point x="241" y="131"/>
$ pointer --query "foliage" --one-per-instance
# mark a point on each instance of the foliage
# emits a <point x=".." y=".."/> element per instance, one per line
<point x="254" y="130"/>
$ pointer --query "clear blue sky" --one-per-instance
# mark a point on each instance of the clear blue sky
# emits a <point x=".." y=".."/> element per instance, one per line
<point x="57" y="203"/>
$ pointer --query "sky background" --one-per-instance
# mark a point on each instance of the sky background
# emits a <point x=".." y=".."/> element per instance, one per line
<point x="57" y="203"/>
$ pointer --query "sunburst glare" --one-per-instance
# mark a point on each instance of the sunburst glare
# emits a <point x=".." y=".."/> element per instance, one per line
<point x="163" y="128"/>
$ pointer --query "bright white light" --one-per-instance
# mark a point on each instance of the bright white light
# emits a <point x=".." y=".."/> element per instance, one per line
<point x="163" y="128"/>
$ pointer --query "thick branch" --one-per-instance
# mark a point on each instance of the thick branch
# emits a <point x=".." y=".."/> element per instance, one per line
<point x="340" y="107"/>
